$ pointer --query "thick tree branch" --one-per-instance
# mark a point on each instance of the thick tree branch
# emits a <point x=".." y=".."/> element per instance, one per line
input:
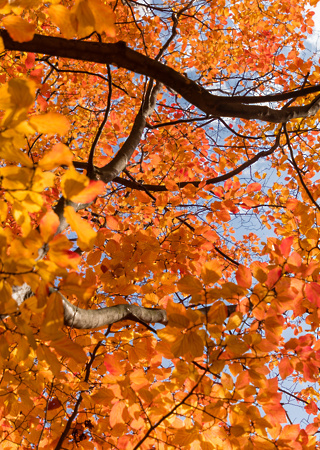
<point x="120" y="161"/>
<point x="98" y="318"/>
<point x="120" y="55"/>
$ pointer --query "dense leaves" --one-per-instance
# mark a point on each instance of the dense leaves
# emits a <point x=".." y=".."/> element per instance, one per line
<point x="159" y="248"/>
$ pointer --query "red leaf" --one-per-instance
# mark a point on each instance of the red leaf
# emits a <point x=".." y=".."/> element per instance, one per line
<point x="285" y="246"/>
<point x="313" y="293"/>
<point x="273" y="276"/>
<point x="30" y="60"/>
<point x="54" y="404"/>
<point x="253" y="187"/>
<point x="311" y="408"/>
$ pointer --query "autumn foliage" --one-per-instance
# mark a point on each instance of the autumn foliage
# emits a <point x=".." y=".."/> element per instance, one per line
<point x="160" y="171"/>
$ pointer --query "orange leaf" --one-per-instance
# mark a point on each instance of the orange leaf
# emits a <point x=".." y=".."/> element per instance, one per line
<point x="49" y="225"/>
<point x="60" y="155"/>
<point x="253" y="187"/>
<point x="50" y="123"/>
<point x="116" y="413"/>
<point x="90" y="192"/>
<point x="244" y="276"/>
<point x="86" y="235"/>
<point x="211" y="272"/>
<point x="189" y="285"/>
<point x="285" y="246"/>
<point x="19" y="29"/>
<point x="69" y="349"/>
<point x="312" y="408"/>
<point x="223" y="215"/>
<point x="53" y="319"/>
<point x="285" y="368"/>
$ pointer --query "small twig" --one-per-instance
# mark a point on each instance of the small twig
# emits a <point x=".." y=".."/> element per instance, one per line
<point x="90" y="166"/>
<point x="295" y="165"/>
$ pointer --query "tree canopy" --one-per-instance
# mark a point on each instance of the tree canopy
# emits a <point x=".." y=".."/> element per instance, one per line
<point x="160" y="243"/>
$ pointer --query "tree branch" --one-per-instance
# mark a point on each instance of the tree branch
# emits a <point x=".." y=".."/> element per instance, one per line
<point x="98" y="318"/>
<point x="120" y="55"/>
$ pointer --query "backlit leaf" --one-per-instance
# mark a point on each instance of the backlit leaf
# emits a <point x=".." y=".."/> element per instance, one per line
<point x="50" y="123"/>
<point x="19" y="29"/>
<point x="86" y="235"/>
<point x="89" y="193"/>
<point x="58" y="156"/>
<point x="189" y="285"/>
<point x="243" y="276"/>
<point x="49" y="225"/>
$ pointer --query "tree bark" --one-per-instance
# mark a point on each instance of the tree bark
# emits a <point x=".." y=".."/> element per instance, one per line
<point x="120" y="55"/>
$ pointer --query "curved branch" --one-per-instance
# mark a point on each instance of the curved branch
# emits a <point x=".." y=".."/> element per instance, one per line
<point x="120" y="55"/>
<point x="98" y="318"/>
<point x="119" y="162"/>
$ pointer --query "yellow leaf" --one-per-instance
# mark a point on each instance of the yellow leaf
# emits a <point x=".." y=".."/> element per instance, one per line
<point x="17" y="93"/>
<point x="234" y="321"/>
<point x="22" y="218"/>
<point x="49" y="225"/>
<point x="50" y="123"/>
<point x="82" y="18"/>
<point x="72" y="183"/>
<point x="86" y="235"/>
<point x="104" y="18"/>
<point x="15" y="98"/>
<point x="61" y="16"/>
<point x="3" y="210"/>
<point x="7" y="304"/>
<point x="19" y="29"/>
<point x="53" y="318"/>
<point x="42" y="180"/>
<point x="60" y="253"/>
<point x="60" y="155"/>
